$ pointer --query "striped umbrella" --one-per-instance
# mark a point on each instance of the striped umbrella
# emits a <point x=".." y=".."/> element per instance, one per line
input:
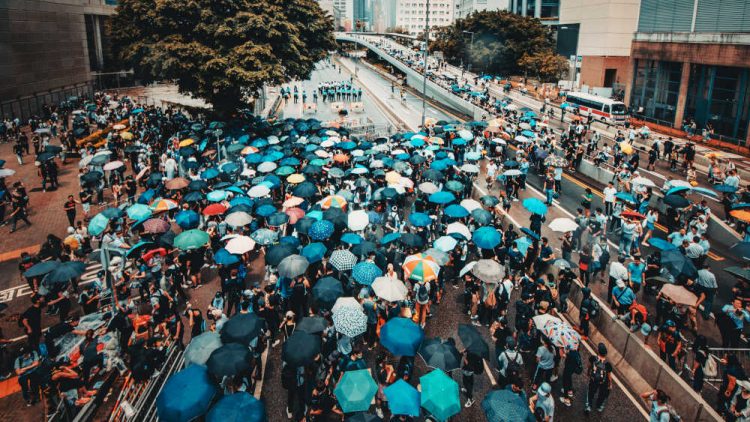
<point x="421" y="267"/>
<point x="161" y="205"/>
<point x="333" y="201"/>
<point x="342" y="260"/>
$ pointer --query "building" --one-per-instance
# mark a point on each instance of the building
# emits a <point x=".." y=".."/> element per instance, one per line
<point x="689" y="60"/>
<point x="598" y="33"/>
<point x="466" y="7"/>
<point x="546" y="10"/>
<point x="345" y="16"/>
<point x="362" y="15"/>
<point x="410" y="14"/>
<point x="51" y="49"/>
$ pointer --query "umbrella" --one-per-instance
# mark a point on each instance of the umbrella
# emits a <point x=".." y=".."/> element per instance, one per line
<point x="201" y="347"/>
<point x="506" y="406"/>
<point x="41" y="268"/>
<point x="186" y="395"/>
<point x="351" y="238"/>
<point x="401" y="336"/>
<point x="486" y="237"/>
<point x="420" y="219"/>
<point x="563" y="225"/>
<point x="191" y="239"/>
<point x="156" y="225"/>
<point x="482" y="216"/>
<point x="240" y="245"/>
<point x="242" y="328"/>
<point x="355" y="391"/>
<point x="276" y="253"/>
<point x="676" y="263"/>
<point x="676" y="201"/>
<point x="238" y="407"/>
<point x="358" y="220"/>
<point x="314" y="252"/>
<point x="264" y="236"/>
<point x="437" y="353"/>
<point x="65" y="271"/>
<point x="421" y="267"/>
<point x="138" y="212"/>
<point x="679" y="294"/>
<point x="456" y="211"/>
<point x="445" y="243"/>
<point x="187" y="219"/>
<point x="326" y="292"/>
<point x="742" y="273"/>
<point x="487" y="270"/>
<point x="364" y="249"/>
<point x="238" y="219"/>
<point x="113" y="213"/>
<point x="162" y="205"/>
<point x="471" y="205"/>
<point x="473" y="341"/>
<point x="366" y="272"/>
<point x="741" y="249"/>
<point x="403" y="399"/>
<point x="542" y="319"/>
<point x="342" y="260"/>
<point x="428" y="187"/>
<point x="348" y="317"/>
<point x="312" y="324"/>
<point x="411" y="239"/>
<point x="224" y="257"/>
<point x="229" y="360"/>
<point x="661" y="244"/>
<point x="535" y="206"/>
<point x="177" y="183"/>
<point x="458" y="229"/>
<point x="389" y="289"/>
<point x="561" y="334"/>
<point x="440" y="395"/>
<point x="293" y="266"/>
<point x="441" y="197"/>
<point x="321" y="230"/>
<point x="301" y="349"/>
<point x="625" y="196"/>
<point x="113" y="165"/>
<point x="725" y="188"/>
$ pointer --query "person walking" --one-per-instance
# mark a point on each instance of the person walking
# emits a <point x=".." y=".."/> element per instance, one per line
<point x="70" y="210"/>
<point x="600" y="380"/>
<point x="470" y="365"/>
<point x="543" y="403"/>
<point x="25" y="367"/>
<point x="573" y="366"/>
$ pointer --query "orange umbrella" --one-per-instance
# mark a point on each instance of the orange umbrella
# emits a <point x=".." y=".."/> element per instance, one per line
<point x="334" y="201"/>
<point x="177" y="183"/>
<point x="341" y="158"/>
<point x="505" y="135"/>
<point x="161" y="205"/>
<point x="742" y="215"/>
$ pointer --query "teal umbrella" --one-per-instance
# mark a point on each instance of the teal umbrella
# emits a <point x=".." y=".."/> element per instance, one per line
<point x="440" y="394"/>
<point x="355" y="391"/>
<point x="138" y="212"/>
<point x="191" y="239"/>
<point x="403" y="399"/>
<point x="98" y="224"/>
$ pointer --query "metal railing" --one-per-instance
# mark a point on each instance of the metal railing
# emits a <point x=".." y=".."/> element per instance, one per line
<point x="25" y="107"/>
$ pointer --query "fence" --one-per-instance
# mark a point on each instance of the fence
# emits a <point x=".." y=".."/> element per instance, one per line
<point x="25" y="107"/>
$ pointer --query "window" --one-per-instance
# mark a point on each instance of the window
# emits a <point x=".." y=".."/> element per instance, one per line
<point x="656" y="86"/>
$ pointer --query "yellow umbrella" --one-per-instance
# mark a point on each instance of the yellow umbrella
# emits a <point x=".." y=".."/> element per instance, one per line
<point x="436" y="140"/>
<point x="714" y="154"/>
<point x="626" y="148"/>
<point x="430" y="121"/>
<point x="295" y="178"/>
<point x="126" y="136"/>
<point x="392" y="177"/>
<point x="186" y="142"/>
<point x="497" y="122"/>
<point x="742" y="215"/>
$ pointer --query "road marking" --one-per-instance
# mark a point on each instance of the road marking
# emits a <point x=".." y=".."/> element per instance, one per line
<point x="15" y="254"/>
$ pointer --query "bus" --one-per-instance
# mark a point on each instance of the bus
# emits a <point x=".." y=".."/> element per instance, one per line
<point x="606" y="110"/>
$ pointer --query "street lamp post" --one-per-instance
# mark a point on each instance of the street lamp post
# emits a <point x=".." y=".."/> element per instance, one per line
<point x="471" y="46"/>
<point x="426" y="49"/>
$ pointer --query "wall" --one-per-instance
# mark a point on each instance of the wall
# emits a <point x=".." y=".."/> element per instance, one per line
<point x="593" y="67"/>
<point x="43" y="45"/>
<point x="607" y="26"/>
<point x="694" y="16"/>
<point x="713" y="54"/>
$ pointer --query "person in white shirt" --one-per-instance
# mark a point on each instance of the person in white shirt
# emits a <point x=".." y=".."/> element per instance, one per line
<point x="609" y="198"/>
<point x="617" y="271"/>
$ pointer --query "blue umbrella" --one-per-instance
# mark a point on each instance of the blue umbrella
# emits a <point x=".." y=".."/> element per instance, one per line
<point x="725" y="188"/>
<point x="459" y="142"/>
<point x="506" y="406"/>
<point x="217" y="196"/>
<point x="420" y="219"/>
<point x="403" y="399"/>
<point x="523" y="244"/>
<point x="291" y="241"/>
<point x="535" y="206"/>
<point x="321" y="230"/>
<point x="314" y="252"/>
<point x="704" y="191"/>
<point x="352" y="238"/>
<point x="265" y="210"/>
<point x="456" y="211"/>
<point x="223" y="257"/>
<point x="264" y="236"/>
<point x="254" y="158"/>
<point x="661" y="244"/>
<point x="238" y="407"/>
<point x="366" y="272"/>
<point x="486" y="237"/>
<point x="186" y="395"/>
<point x="441" y="197"/>
<point x="237" y="200"/>
<point x="210" y="173"/>
<point x="528" y="232"/>
<point x="112" y="213"/>
<point x="194" y="196"/>
<point x="401" y="336"/>
<point x="529" y="134"/>
<point x="355" y="391"/>
<point x="625" y="196"/>
<point x="390" y="237"/>
<point x="98" y="224"/>
<point x="677" y="189"/>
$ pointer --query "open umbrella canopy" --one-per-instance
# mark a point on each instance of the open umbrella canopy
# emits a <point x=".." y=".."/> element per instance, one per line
<point x="401" y="336"/>
<point x="301" y="348"/>
<point x="441" y="354"/>
<point x="661" y="244"/>
<point x="389" y="289"/>
<point x="403" y="399"/>
<point x="293" y="266"/>
<point x="456" y="211"/>
<point x="264" y="236"/>
<point x="421" y="267"/>
<point x="238" y="407"/>
<point x="342" y="260"/>
<point x="321" y="230"/>
<point x="349" y="318"/>
<point x="242" y="328"/>
<point x="314" y="252"/>
<point x="563" y="225"/>
<point x="440" y="395"/>
<point x="355" y="391"/>
<point x="200" y="348"/>
<point x="229" y="360"/>
<point x="312" y="324"/>
<point x="41" y="268"/>
<point x="138" y="212"/>
<point x="65" y="271"/>
<point x="506" y="406"/>
<point x="487" y="270"/>
<point x="473" y="341"/>
<point x="535" y="206"/>
<point x="366" y="273"/>
<point x="191" y="239"/>
<point x="186" y="395"/>
<point x="326" y="291"/>
<point x="441" y="197"/>
<point x="486" y="237"/>
<point x="677" y="263"/>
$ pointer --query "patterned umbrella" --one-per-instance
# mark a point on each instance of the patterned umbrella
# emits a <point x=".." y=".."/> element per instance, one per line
<point x="162" y="205"/>
<point x="156" y="225"/>
<point x="421" y="267"/>
<point x="366" y="273"/>
<point x="265" y="236"/>
<point x="348" y="317"/>
<point x="506" y="406"/>
<point x="355" y="391"/>
<point x="342" y="260"/>
<point x="321" y="230"/>
<point x="293" y="266"/>
<point x="401" y="336"/>
<point x="201" y="347"/>
<point x="326" y="292"/>
<point x="562" y="335"/>
<point x="440" y="395"/>
<point x="333" y="201"/>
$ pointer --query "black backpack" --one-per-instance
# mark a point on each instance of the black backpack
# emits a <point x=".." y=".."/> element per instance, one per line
<point x="422" y="294"/>
<point x="599" y="371"/>
<point x="514" y="366"/>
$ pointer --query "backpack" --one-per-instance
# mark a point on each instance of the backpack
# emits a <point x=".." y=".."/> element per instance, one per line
<point x="491" y="299"/>
<point x="673" y="415"/>
<point x="599" y="372"/>
<point x="710" y="369"/>
<point x="514" y="366"/>
<point x="592" y="308"/>
<point x="422" y="294"/>
<point x="579" y="363"/>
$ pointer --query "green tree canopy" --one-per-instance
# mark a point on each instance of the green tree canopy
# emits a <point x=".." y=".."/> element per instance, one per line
<point x="501" y="39"/>
<point x="221" y="50"/>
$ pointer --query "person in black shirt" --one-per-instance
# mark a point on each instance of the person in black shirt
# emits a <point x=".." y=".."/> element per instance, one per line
<point x="600" y="379"/>
<point x="19" y="212"/>
<point x="31" y="322"/>
<point x="70" y="210"/>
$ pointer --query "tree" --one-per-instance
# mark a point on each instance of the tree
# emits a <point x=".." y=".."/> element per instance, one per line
<point x="546" y="65"/>
<point x="500" y="39"/>
<point x="223" y="51"/>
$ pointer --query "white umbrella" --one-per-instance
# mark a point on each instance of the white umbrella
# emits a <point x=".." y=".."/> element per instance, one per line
<point x="358" y="220"/>
<point x="445" y="243"/>
<point x="327" y="143"/>
<point x="471" y="204"/>
<point x="541" y="320"/>
<point x="525" y="126"/>
<point x="488" y="270"/>
<point x="348" y="317"/>
<point x="85" y="161"/>
<point x="238" y="219"/>
<point x="459" y="228"/>
<point x="470" y="168"/>
<point x="119" y="126"/>
<point x="428" y="187"/>
<point x="563" y="225"/>
<point x="522" y="139"/>
<point x="468" y="267"/>
<point x="676" y="183"/>
<point x="511" y="107"/>
<point x="267" y="167"/>
<point x="293" y="202"/>
<point x="258" y="191"/>
<point x="320" y="153"/>
<point x="500" y="141"/>
<point x="389" y="289"/>
<point x="6" y="172"/>
<point x="643" y="182"/>
<point x="240" y="245"/>
<point x="113" y="165"/>
<point x="512" y="172"/>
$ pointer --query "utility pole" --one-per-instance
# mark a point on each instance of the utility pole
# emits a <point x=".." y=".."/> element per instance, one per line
<point x="471" y="46"/>
<point x="426" y="49"/>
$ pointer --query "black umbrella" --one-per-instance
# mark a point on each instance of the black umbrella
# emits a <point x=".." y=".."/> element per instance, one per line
<point x="312" y="170"/>
<point x="41" y="268"/>
<point x="364" y="248"/>
<point x="66" y="271"/>
<point x="305" y="190"/>
<point x="198" y="185"/>
<point x="437" y="353"/>
<point x="312" y="324"/>
<point x="326" y="291"/>
<point x="473" y="341"/>
<point x="411" y="239"/>
<point x="303" y="224"/>
<point x="277" y="219"/>
<point x="91" y="177"/>
<point x="167" y="239"/>
<point x="242" y="328"/>
<point x="677" y="263"/>
<point x="741" y="249"/>
<point x="229" y="360"/>
<point x="278" y="252"/>
<point x="301" y="349"/>
<point x="742" y="273"/>
<point x="432" y="174"/>
<point x="364" y="417"/>
<point x="676" y="201"/>
<point x="45" y="156"/>
<point x="53" y="149"/>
